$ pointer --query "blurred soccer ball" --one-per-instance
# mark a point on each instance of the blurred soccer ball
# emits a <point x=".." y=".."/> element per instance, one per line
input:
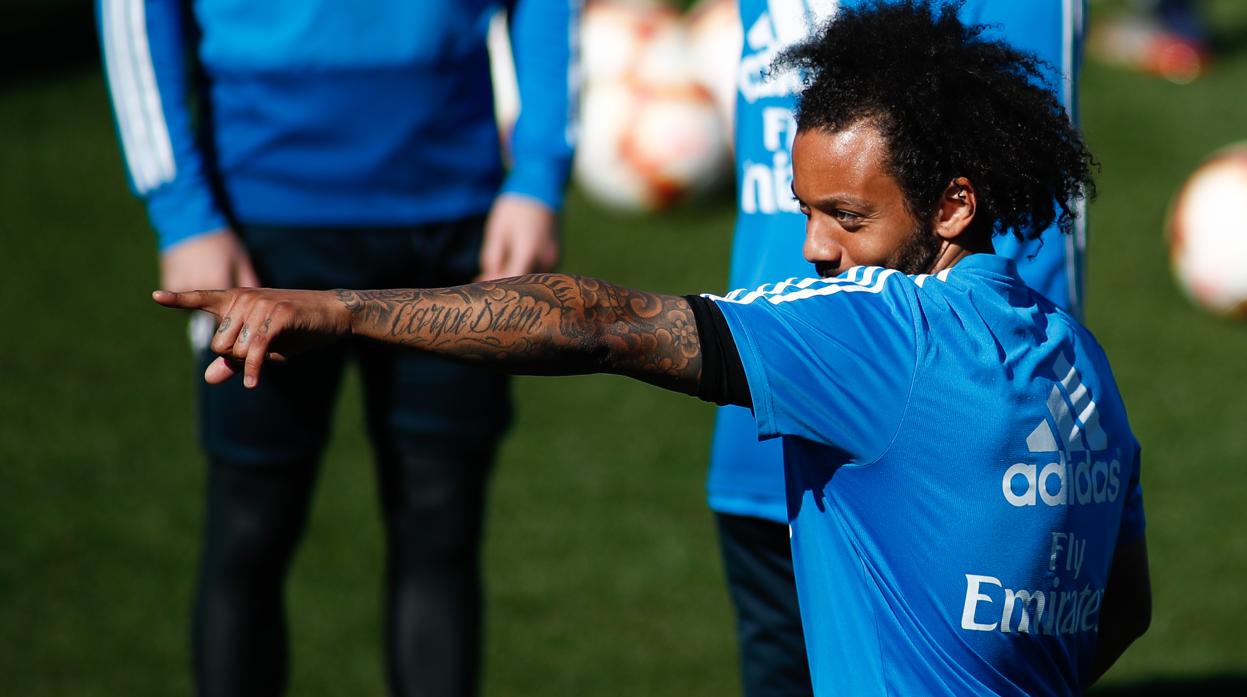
<point x="646" y="147"/>
<point x="650" y="132"/>
<point x="1207" y="232"/>
<point x="633" y="40"/>
<point x="715" y="39"/>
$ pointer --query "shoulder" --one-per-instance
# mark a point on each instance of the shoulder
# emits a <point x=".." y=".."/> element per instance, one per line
<point x="1094" y="369"/>
<point x="858" y="283"/>
<point x="865" y="303"/>
<point x="1086" y="340"/>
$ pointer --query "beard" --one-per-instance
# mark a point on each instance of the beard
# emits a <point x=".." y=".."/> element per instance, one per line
<point x="917" y="254"/>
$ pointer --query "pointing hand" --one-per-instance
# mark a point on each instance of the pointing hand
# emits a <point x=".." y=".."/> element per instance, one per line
<point x="255" y="325"/>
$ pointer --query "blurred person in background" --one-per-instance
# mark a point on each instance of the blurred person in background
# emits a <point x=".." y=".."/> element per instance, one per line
<point x="746" y="484"/>
<point x="1168" y="38"/>
<point x="319" y="144"/>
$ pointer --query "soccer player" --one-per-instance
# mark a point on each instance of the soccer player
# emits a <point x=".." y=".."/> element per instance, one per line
<point x="323" y="143"/>
<point x="962" y="482"/>
<point x="745" y="482"/>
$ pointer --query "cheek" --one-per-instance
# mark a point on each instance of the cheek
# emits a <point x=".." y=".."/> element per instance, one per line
<point x="867" y="248"/>
<point x="878" y="248"/>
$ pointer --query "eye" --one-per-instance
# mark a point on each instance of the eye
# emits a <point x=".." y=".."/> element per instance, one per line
<point x="847" y="219"/>
<point x="805" y="210"/>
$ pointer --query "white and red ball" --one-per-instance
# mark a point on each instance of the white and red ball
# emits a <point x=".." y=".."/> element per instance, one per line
<point x="715" y="38"/>
<point x="632" y="40"/>
<point x="645" y="147"/>
<point x="650" y="133"/>
<point x="1207" y="233"/>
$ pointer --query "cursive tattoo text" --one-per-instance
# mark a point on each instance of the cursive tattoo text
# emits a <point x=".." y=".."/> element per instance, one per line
<point x="541" y="324"/>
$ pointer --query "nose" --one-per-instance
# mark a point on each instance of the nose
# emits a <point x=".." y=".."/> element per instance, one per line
<point x="821" y="248"/>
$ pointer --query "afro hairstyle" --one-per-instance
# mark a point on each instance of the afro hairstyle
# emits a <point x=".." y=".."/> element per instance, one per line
<point x="949" y="103"/>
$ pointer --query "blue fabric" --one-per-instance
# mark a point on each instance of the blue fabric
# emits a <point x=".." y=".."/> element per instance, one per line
<point x="321" y="113"/>
<point x="745" y="476"/>
<point x="950" y="442"/>
<point x="180" y="200"/>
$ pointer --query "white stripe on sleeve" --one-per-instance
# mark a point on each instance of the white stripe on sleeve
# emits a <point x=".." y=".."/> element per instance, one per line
<point x="121" y="87"/>
<point x="140" y="116"/>
<point x="859" y="279"/>
<point x="150" y="94"/>
<point x="575" y="74"/>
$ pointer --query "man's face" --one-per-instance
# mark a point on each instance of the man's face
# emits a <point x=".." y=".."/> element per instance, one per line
<point x="855" y="212"/>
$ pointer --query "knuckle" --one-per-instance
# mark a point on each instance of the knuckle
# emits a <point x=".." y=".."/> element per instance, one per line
<point x="260" y="342"/>
<point x="254" y="360"/>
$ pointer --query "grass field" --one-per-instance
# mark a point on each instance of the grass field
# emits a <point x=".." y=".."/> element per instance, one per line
<point x="602" y="569"/>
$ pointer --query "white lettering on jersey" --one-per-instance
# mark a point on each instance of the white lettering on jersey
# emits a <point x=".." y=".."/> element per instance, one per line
<point x="1085" y="472"/>
<point x="973" y="598"/>
<point x="1074" y="435"/>
<point x="1074" y="550"/>
<point x="766" y="186"/>
<point x="1026" y="611"/>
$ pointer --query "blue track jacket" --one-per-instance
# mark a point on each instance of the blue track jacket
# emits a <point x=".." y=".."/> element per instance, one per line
<point x="361" y="113"/>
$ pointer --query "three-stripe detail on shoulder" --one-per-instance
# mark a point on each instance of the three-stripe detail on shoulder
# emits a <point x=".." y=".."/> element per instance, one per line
<point x="136" y="98"/>
<point x="859" y="279"/>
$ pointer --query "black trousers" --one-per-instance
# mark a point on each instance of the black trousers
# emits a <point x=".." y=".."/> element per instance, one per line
<point x="434" y="426"/>
<point x="758" y="560"/>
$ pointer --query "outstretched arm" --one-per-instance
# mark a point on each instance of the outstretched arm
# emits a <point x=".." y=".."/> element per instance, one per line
<point x="550" y="324"/>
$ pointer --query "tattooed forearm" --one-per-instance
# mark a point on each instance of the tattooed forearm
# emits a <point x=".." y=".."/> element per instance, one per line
<point x="453" y="318"/>
<point x="541" y="323"/>
<point x="648" y="336"/>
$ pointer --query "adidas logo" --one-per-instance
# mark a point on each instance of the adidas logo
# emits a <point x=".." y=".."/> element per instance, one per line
<point x="1073" y="435"/>
<point x="782" y="24"/>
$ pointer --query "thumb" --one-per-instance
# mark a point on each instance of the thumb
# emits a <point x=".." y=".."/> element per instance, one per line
<point x="220" y="370"/>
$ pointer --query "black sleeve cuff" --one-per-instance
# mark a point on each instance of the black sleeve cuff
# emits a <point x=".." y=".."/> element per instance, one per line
<point x="722" y="373"/>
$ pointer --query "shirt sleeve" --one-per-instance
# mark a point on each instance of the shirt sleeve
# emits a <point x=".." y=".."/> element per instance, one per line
<point x="829" y="360"/>
<point x="545" y="47"/>
<point x="1133" y="521"/>
<point x="145" y="46"/>
<point x="723" y="378"/>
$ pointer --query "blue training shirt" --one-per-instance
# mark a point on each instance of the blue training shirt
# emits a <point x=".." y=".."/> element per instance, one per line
<point x="745" y="476"/>
<point x="334" y="113"/>
<point x="959" y="470"/>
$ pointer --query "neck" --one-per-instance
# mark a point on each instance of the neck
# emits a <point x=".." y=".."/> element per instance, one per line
<point x="953" y="251"/>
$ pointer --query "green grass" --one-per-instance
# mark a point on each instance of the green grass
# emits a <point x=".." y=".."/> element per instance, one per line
<point x="603" y="575"/>
<point x="1183" y="373"/>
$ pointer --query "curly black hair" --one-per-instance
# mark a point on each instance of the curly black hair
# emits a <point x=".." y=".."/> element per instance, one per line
<point x="949" y="104"/>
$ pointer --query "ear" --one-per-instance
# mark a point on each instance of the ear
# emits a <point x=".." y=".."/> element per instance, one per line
<point x="956" y="211"/>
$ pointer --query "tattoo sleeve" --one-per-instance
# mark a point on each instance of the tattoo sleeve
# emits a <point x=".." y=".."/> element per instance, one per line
<point x="546" y="324"/>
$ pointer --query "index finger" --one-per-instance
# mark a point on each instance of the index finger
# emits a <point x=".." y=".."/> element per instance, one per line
<point x="211" y="301"/>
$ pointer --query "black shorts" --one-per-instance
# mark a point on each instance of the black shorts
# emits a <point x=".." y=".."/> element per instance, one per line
<point x="406" y="393"/>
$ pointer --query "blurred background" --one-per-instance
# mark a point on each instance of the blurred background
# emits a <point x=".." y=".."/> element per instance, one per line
<point x="602" y="570"/>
